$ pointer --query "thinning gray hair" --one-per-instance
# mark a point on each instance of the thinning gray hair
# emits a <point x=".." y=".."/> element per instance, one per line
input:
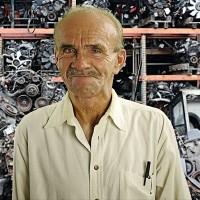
<point x="75" y="10"/>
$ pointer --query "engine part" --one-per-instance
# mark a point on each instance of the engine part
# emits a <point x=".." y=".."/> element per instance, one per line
<point x="46" y="55"/>
<point x="184" y="114"/>
<point x="21" y="91"/>
<point x="24" y="103"/>
<point x="190" y="166"/>
<point x="18" y="55"/>
<point x="127" y="13"/>
<point x="5" y="14"/>
<point x="1" y="13"/>
<point x="30" y="84"/>
<point x="10" y="129"/>
<point x="159" y="95"/>
<point x="32" y="90"/>
<point x="9" y="160"/>
<point x="194" y="8"/>
<point x="9" y="110"/>
<point x="48" y="12"/>
<point x="41" y="102"/>
<point x="97" y="3"/>
<point x="187" y="54"/>
<point x="8" y="120"/>
<point x="155" y="13"/>
<point x="186" y="13"/>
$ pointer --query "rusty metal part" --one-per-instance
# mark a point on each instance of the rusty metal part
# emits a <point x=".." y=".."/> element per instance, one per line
<point x="35" y="79"/>
<point x="32" y="90"/>
<point x="24" y="103"/>
<point x="41" y="102"/>
<point x="190" y="167"/>
<point x="9" y="110"/>
<point x="9" y="160"/>
<point x="196" y="176"/>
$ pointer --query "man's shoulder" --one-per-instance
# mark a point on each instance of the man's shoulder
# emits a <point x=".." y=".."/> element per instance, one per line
<point x="41" y="114"/>
<point x="138" y="106"/>
<point x="133" y="106"/>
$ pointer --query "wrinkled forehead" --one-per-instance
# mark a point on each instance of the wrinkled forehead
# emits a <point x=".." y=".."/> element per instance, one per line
<point x="85" y="29"/>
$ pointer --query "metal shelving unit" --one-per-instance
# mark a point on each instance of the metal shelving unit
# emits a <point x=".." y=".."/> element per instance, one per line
<point x="22" y="33"/>
<point x="129" y="33"/>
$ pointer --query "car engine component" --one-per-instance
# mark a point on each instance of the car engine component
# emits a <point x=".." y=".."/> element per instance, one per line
<point x="186" y="13"/>
<point x="9" y="117"/>
<point x="45" y="57"/>
<point x="5" y="14"/>
<point x="127" y="13"/>
<point x="184" y="113"/>
<point x="155" y="13"/>
<point x="187" y="54"/>
<point x="21" y="91"/>
<point x="18" y="54"/>
<point x="48" y="12"/>
<point x="97" y="3"/>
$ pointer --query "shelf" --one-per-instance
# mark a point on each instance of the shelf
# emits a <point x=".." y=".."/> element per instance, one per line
<point x="161" y="32"/>
<point x="156" y="78"/>
<point x="170" y="77"/>
<point x="22" y="33"/>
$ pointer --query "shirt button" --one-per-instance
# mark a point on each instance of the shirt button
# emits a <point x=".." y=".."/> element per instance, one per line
<point x="96" y="167"/>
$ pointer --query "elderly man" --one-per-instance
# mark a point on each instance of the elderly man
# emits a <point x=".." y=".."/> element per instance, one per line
<point x="92" y="144"/>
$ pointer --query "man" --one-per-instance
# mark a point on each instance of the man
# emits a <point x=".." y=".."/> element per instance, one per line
<point x="93" y="144"/>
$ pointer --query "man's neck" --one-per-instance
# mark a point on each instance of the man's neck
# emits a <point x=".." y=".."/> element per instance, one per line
<point x="89" y="111"/>
<point x="90" y="108"/>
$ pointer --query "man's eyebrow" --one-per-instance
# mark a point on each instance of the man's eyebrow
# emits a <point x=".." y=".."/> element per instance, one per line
<point x="98" y="46"/>
<point x="66" y="46"/>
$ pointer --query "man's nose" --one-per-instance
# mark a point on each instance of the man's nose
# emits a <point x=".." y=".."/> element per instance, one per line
<point x="81" y="61"/>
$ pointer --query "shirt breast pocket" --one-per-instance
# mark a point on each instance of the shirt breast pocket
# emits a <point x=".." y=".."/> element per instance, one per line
<point x="132" y="188"/>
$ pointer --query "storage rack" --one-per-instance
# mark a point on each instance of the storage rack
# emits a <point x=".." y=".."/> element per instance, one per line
<point x="129" y="33"/>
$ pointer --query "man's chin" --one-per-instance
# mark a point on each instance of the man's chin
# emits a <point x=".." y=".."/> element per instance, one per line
<point x="84" y="92"/>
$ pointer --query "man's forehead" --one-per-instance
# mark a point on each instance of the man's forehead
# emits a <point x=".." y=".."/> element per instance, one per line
<point x="85" y="35"/>
<point x="88" y="22"/>
<point x="86" y="29"/>
<point x="86" y="41"/>
<point x="86" y="32"/>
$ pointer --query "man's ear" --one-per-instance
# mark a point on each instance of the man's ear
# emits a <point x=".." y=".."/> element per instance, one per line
<point x="121" y="59"/>
<point x="56" y="57"/>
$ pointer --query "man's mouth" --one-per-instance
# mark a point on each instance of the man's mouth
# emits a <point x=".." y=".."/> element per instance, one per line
<point x="83" y="73"/>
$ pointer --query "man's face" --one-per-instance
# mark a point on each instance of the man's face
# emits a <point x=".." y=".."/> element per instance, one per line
<point x="86" y="54"/>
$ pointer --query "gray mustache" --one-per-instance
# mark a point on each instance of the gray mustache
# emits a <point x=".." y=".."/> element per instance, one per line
<point x="74" y="72"/>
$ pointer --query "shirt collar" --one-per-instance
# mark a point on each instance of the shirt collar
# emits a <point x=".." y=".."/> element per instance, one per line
<point x="64" y="112"/>
<point x="115" y="111"/>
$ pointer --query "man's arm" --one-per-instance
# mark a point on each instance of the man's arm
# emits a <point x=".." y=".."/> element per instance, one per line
<point x="20" y="189"/>
<point x="171" y="182"/>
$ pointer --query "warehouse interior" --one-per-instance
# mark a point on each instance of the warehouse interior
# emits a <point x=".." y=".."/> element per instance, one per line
<point x="162" y="40"/>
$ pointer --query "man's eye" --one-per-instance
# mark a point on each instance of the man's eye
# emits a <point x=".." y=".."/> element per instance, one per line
<point x="69" y="51"/>
<point x="96" y="51"/>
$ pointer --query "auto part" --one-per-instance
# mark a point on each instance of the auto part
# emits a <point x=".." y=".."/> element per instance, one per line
<point x="184" y="113"/>
<point x="186" y="13"/>
<point x="48" y="12"/>
<point x="155" y="13"/>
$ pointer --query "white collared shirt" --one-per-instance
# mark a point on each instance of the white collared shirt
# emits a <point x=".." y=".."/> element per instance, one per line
<point x="54" y="161"/>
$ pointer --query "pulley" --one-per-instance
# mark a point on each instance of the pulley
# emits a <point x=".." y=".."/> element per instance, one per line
<point x="24" y="103"/>
<point x="41" y="102"/>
